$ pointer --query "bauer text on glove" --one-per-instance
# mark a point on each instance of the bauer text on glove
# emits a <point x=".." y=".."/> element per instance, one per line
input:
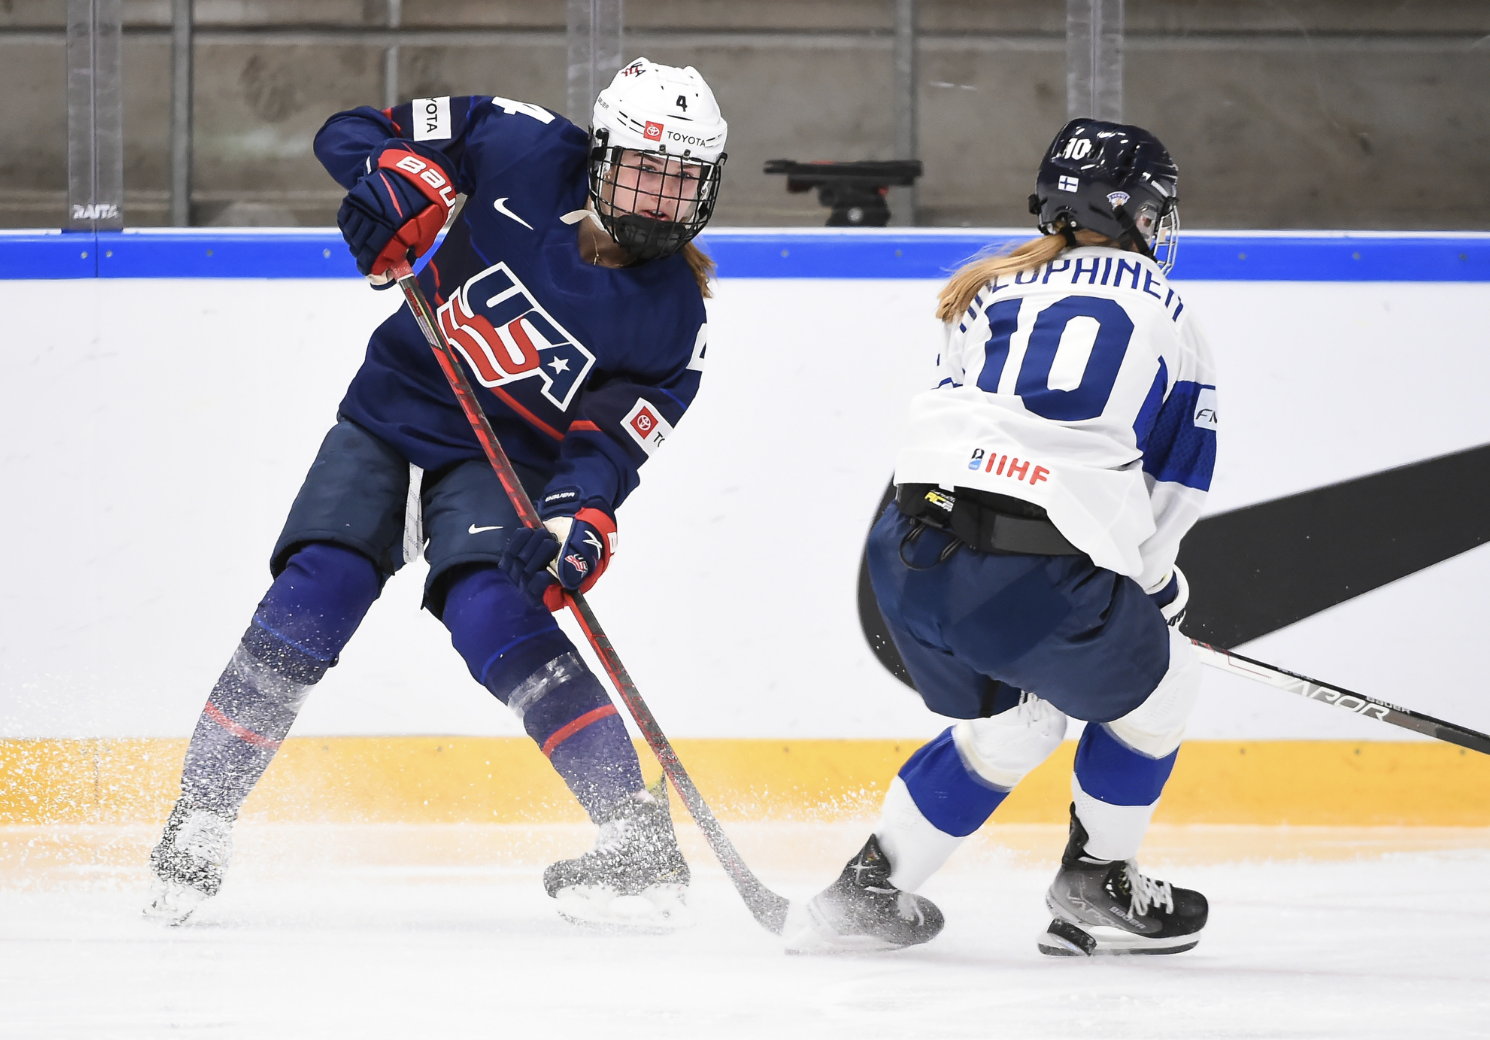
<point x="395" y="212"/>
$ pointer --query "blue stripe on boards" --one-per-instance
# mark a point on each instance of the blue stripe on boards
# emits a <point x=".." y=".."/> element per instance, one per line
<point x="1203" y="256"/>
<point x="840" y="254"/>
<point x="225" y="253"/>
<point x="48" y="254"/>
<point x="775" y="253"/>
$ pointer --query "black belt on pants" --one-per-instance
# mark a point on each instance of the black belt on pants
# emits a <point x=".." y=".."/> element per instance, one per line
<point x="983" y="520"/>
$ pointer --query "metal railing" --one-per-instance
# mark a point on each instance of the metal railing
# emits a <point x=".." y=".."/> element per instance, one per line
<point x="593" y="38"/>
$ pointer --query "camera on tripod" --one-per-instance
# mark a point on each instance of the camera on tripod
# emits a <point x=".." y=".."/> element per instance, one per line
<point x="853" y="191"/>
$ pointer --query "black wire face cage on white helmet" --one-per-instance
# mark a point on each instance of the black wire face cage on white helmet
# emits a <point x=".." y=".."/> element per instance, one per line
<point x="1112" y="178"/>
<point x="656" y="157"/>
<point x="652" y="201"/>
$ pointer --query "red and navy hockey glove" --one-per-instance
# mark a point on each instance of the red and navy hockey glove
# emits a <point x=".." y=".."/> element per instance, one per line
<point x="567" y="552"/>
<point x="395" y="212"/>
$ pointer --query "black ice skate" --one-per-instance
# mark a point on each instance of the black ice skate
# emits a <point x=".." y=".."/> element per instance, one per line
<point x="1110" y="907"/>
<point x="189" y="862"/>
<point x="635" y="878"/>
<point x="863" y="911"/>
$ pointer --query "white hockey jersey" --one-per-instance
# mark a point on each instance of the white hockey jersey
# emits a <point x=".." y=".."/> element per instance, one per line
<point x="1082" y="386"/>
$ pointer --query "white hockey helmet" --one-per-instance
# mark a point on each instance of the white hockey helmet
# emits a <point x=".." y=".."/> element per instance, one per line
<point x="657" y="134"/>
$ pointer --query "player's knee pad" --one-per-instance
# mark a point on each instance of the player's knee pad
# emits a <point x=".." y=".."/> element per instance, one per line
<point x="503" y="638"/>
<point x="1156" y="727"/>
<point x="1004" y="748"/>
<point x="318" y="600"/>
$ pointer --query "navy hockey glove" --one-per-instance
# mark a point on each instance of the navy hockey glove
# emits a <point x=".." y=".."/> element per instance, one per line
<point x="567" y="552"/>
<point x="395" y="212"/>
<point x="1172" y="598"/>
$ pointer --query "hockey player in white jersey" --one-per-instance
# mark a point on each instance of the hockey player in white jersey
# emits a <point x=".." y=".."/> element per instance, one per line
<point x="1026" y="569"/>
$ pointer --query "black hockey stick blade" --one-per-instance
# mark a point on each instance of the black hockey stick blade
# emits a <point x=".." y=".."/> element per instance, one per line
<point x="765" y="906"/>
<point x="1357" y="703"/>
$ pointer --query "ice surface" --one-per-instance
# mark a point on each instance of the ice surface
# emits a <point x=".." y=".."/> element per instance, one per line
<point x="429" y="931"/>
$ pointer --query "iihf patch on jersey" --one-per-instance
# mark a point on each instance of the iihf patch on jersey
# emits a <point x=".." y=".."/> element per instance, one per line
<point x="506" y="335"/>
<point x="646" y="425"/>
<point x="431" y="119"/>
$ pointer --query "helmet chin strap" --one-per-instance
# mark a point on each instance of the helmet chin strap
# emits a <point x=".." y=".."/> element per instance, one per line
<point x="1131" y="234"/>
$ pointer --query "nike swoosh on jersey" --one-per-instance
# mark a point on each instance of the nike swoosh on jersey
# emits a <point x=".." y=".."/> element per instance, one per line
<point x="500" y="205"/>
<point x="477" y="530"/>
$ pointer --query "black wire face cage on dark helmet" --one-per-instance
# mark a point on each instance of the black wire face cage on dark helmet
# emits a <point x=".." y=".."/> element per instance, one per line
<point x="1112" y="178"/>
<point x="652" y="202"/>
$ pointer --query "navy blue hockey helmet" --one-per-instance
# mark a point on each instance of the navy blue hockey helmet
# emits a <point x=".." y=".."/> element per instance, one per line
<point x="1112" y="178"/>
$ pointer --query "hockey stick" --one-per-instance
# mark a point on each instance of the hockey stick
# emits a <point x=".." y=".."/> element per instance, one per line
<point x="1340" y="697"/>
<point x="768" y="908"/>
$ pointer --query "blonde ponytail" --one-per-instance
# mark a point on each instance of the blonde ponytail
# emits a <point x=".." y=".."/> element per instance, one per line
<point x="970" y="278"/>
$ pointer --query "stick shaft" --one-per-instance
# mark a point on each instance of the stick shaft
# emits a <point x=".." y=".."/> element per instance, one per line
<point x="1356" y="703"/>
<point x="769" y="908"/>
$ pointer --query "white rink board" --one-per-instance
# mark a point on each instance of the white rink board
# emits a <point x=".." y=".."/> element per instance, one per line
<point x="154" y="433"/>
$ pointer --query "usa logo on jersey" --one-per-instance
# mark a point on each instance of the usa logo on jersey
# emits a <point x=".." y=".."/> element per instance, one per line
<point x="506" y="335"/>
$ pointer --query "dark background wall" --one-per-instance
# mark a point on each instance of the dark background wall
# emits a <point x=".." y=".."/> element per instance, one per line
<point x="1292" y="113"/>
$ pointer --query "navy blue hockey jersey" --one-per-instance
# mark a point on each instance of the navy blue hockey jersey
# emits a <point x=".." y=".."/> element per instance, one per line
<point x="582" y="369"/>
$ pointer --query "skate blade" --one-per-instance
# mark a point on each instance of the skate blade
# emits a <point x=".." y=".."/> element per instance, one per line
<point x="812" y="942"/>
<point x="658" y="910"/>
<point x="1064" y="939"/>
<point x="807" y="933"/>
<point x="173" y="904"/>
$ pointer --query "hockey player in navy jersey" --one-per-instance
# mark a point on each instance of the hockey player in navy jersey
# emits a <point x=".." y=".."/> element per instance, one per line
<point x="1026" y="568"/>
<point x="570" y="285"/>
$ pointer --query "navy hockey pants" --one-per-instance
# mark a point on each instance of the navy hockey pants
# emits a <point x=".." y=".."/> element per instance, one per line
<point x="975" y="629"/>
<point x="978" y="628"/>
<point x="342" y="541"/>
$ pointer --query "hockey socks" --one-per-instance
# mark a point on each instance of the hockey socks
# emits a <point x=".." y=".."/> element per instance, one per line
<point x="571" y="718"/>
<point x="1116" y="790"/>
<point x="300" y="627"/>
<point x="949" y="793"/>
<point x="949" y="787"/>
<point x="517" y="652"/>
